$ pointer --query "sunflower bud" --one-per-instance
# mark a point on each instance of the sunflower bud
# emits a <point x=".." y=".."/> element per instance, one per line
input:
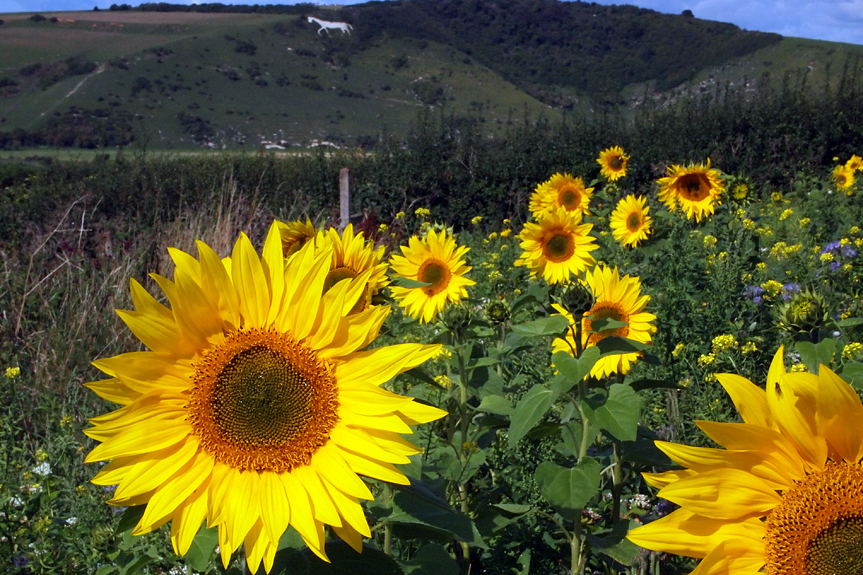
<point x="805" y="311"/>
<point x="498" y="312"/>
<point x="577" y="299"/>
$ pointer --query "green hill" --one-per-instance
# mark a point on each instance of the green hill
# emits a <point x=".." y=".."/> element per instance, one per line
<point x="262" y="76"/>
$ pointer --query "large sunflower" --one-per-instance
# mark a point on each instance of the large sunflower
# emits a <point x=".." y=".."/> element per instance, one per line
<point x="854" y="163"/>
<point x="561" y="191"/>
<point x="352" y="257"/>
<point x="617" y="298"/>
<point x="295" y="234"/>
<point x="255" y="408"/>
<point x="844" y="177"/>
<point x="629" y="221"/>
<point x="786" y="493"/>
<point x="695" y="187"/>
<point x="613" y="162"/>
<point x="434" y="260"/>
<point x="557" y="246"/>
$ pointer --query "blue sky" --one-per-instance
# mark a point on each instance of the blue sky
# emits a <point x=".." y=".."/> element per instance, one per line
<point x="834" y="20"/>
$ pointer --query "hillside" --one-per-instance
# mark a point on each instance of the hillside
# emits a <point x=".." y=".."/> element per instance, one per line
<point x="204" y="76"/>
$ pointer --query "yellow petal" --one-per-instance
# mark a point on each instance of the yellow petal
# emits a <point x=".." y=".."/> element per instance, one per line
<point x="273" y="262"/>
<point x="376" y="366"/>
<point x="740" y="557"/>
<point x="793" y="405"/>
<point x="840" y="414"/>
<point x="156" y="469"/>
<point x="275" y="510"/>
<point x="147" y="436"/>
<point x="186" y="523"/>
<point x="302" y="516"/>
<point x="374" y="469"/>
<point x="322" y="505"/>
<point x="723" y="494"/>
<point x="251" y="283"/>
<point x="360" y="442"/>
<point x="216" y="282"/>
<point x="660" y="480"/>
<point x="173" y="494"/>
<point x="685" y="533"/>
<point x="350" y="509"/>
<point x="749" y="399"/>
<point x="331" y="466"/>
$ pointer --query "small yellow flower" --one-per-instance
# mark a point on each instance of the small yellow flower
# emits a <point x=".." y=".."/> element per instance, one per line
<point x="13" y="372"/>
<point x="506" y="233"/>
<point x="852" y="350"/>
<point x="761" y="266"/>
<point x="723" y="343"/>
<point x="678" y="349"/>
<point x="443" y="353"/>
<point x="740" y="213"/>
<point x="847" y="268"/>
<point x="711" y="378"/>
<point x="777" y="197"/>
<point x="506" y="221"/>
<point x="443" y="381"/>
<point x="858" y="242"/>
<point x="853" y="231"/>
<point x="383" y="228"/>
<point x="827" y="257"/>
<point x="778" y="250"/>
<point x="494" y="275"/>
<point x="786" y="214"/>
<point x="492" y="236"/>
<point x="684" y="382"/>
<point x="400" y="216"/>
<point x="706" y="359"/>
<point x="41" y="455"/>
<point x="804" y="222"/>
<point x="709" y="241"/>
<point x="476" y="220"/>
<point x="765" y="231"/>
<point x="746" y="278"/>
<point x="748" y="347"/>
<point x="748" y="224"/>
<point x="844" y="242"/>
<point x="422" y="212"/>
<point x="798" y="367"/>
<point x="772" y="287"/>
<point x="65" y="420"/>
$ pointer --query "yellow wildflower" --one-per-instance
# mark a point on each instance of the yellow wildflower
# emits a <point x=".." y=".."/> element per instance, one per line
<point x="852" y="350"/>
<point x="383" y="228"/>
<point x="709" y="241"/>
<point x="854" y="230"/>
<point x="786" y="214"/>
<point x="492" y="236"/>
<point x="740" y="213"/>
<point x="797" y="367"/>
<point x="12" y="372"/>
<point x="748" y="224"/>
<point x="772" y="287"/>
<point x="748" y="347"/>
<point x="706" y="359"/>
<point x="506" y="221"/>
<point x="505" y="233"/>
<point x="827" y="257"/>
<point x="41" y="455"/>
<point x="443" y="381"/>
<point x="761" y="266"/>
<point x="723" y="343"/>
<point x="804" y="222"/>
<point x="422" y="212"/>
<point x="678" y="349"/>
<point x="400" y="215"/>
<point x="476" y="220"/>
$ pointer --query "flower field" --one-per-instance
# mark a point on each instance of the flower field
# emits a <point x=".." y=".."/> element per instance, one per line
<point x="614" y="373"/>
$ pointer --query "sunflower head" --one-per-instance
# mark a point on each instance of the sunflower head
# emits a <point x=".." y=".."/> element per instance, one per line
<point x="437" y="262"/>
<point x="557" y="247"/>
<point x="612" y="163"/>
<point x="295" y="234"/>
<point x="561" y="191"/>
<point x="618" y="299"/>
<point x="804" y="312"/>
<point x="354" y="257"/>
<point x="843" y="176"/>
<point x="498" y="312"/>
<point x="785" y="495"/>
<point x="257" y="407"/>
<point x="696" y="188"/>
<point x="629" y="222"/>
<point x="854" y="163"/>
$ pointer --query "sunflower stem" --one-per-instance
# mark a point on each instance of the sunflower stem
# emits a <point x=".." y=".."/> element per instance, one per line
<point x="388" y="528"/>
<point x="617" y="479"/>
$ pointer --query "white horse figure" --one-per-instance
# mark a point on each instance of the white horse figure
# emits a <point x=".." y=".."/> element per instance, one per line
<point x="327" y="26"/>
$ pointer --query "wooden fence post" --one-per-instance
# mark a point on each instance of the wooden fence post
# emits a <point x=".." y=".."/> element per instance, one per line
<point x="344" y="199"/>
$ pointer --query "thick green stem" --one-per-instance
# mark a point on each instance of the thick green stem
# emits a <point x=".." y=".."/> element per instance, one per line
<point x="617" y="480"/>
<point x="388" y="528"/>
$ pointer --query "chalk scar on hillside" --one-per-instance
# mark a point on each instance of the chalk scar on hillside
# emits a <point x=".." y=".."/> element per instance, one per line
<point x="99" y="70"/>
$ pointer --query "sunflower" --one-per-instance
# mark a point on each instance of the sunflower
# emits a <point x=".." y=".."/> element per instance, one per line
<point x="786" y="493"/>
<point x="436" y="261"/>
<point x="854" y="163"/>
<point x="695" y="187"/>
<point x="613" y="162"/>
<point x="295" y="234"/>
<point x="629" y="221"/>
<point x="617" y="298"/>
<point x="557" y="246"/>
<point x="844" y="177"/>
<point x="561" y="191"/>
<point x="353" y="256"/>
<point x="255" y="408"/>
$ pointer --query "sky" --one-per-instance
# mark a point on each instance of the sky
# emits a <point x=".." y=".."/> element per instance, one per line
<point x="834" y="20"/>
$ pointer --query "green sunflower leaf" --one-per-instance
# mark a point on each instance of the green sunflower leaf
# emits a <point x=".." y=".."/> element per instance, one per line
<point x="408" y="283"/>
<point x="568" y="489"/>
<point x="574" y="370"/>
<point x="202" y="547"/>
<point x="617" y="413"/>
<point x="551" y="325"/>
<point x="529" y="411"/>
